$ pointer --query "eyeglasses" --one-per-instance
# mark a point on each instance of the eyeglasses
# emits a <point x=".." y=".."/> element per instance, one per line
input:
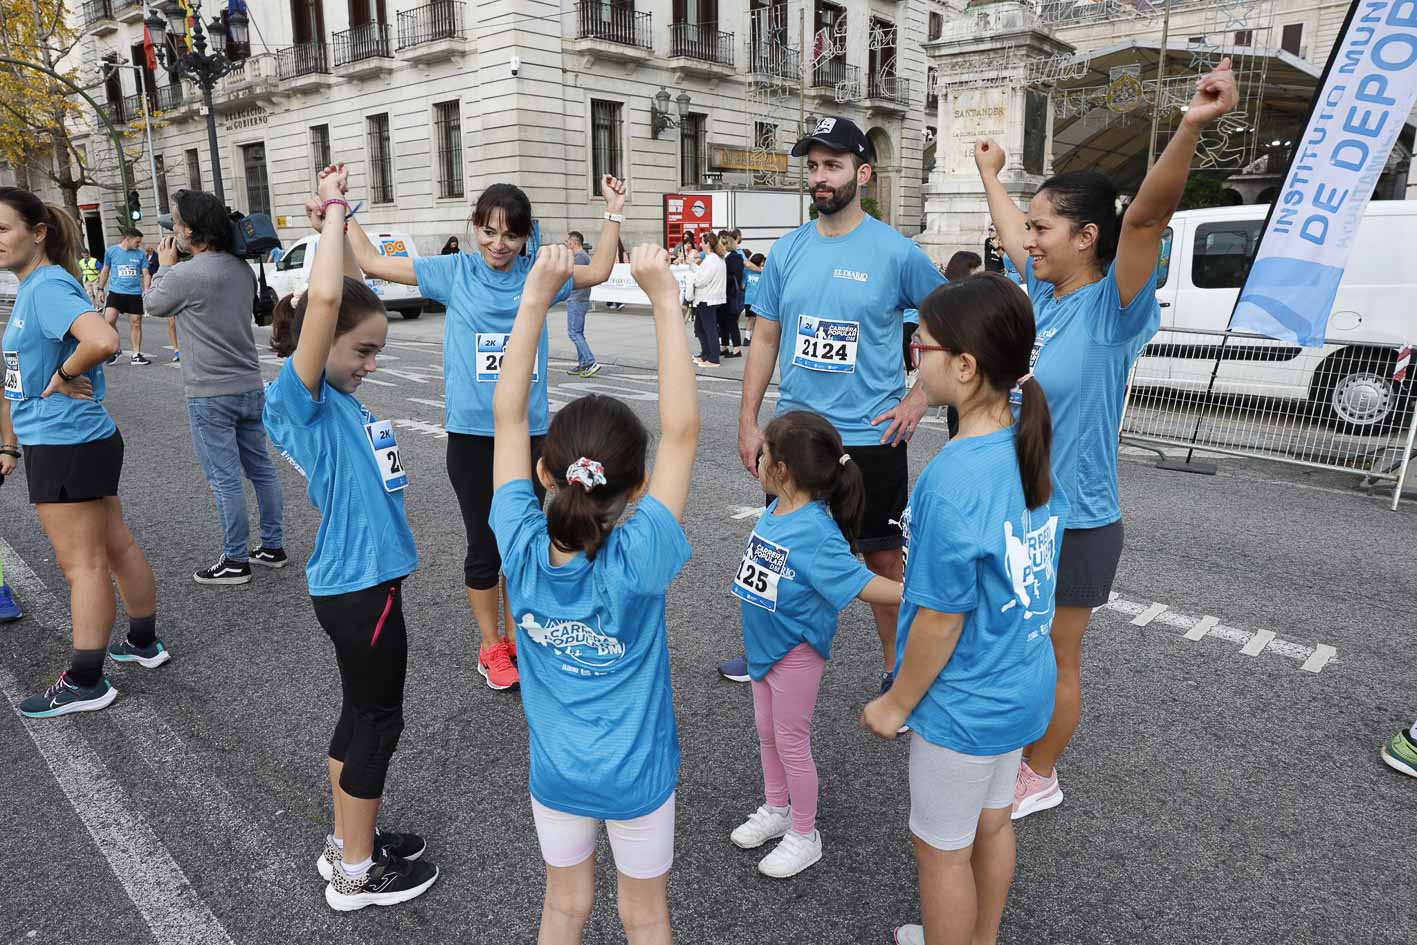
<point x="915" y="349"/>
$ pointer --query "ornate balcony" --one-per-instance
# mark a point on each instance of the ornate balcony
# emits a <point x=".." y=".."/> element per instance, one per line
<point x="432" y="32"/>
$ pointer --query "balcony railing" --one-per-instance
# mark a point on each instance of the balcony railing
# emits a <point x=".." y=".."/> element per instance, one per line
<point x="441" y="19"/>
<point x="890" y="88"/>
<point x="775" y="59"/>
<point x="366" y="41"/>
<point x="596" y="19"/>
<point x="96" y="11"/>
<point x="303" y="59"/>
<point x="705" y="42"/>
<point x="170" y="96"/>
<point x="114" y="112"/>
<point x="120" y="7"/>
<point x="836" y="74"/>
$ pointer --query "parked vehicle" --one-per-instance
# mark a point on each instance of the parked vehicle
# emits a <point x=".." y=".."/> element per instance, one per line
<point x="1205" y="258"/>
<point x="293" y="271"/>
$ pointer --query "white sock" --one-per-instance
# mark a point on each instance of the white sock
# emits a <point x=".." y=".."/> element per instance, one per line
<point x="1412" y="732"/>
<point x="355" y="870"/>
<point x="339" y="843"/>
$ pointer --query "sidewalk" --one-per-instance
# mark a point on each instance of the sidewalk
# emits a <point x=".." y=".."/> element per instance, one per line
<point x="626" y="339"/>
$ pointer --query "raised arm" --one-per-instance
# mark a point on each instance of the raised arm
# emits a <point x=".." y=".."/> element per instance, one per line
<point x="511" y="446"/>
<point x="933" y="637"/>
<point x="678" y="387"/>
<point x="1010" y="222"/>
<point x="326" y="292"/>
<point x="1139" y="243"/>
<point x="606" y="251"/>
<point x="392" y="268"/>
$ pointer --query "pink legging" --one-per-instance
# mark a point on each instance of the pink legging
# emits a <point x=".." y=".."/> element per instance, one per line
<point x="782" y="706"/>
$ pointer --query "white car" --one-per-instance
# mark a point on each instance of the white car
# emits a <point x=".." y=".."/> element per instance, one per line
<point x="293" y="271"/>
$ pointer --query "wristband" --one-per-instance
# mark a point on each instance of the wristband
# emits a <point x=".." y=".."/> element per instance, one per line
<point x="333" y="201"/>
<point x="64" y="375"/>
<point x="614" y="217"/>
<point x="11" y="452"/>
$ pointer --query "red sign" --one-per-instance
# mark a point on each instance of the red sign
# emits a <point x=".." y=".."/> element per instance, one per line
<point x="686" y="213"/>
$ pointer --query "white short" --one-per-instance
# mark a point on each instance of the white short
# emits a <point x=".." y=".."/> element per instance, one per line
<point x="643" y="847"/>
<point x="949" y="790"/>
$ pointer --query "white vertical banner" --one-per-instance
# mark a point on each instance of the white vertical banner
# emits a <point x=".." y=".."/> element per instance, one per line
<point x="1363" y="100"/>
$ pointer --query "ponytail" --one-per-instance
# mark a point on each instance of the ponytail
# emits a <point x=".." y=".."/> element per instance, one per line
<point x="809" y="449"/>
<point x="61" y="231"/>
<point x="595" y="452"/>
<point x="578" y="520"/>
<point x="358" y="303"/>
<point x="1033" y="441"/>
<point x="847" y="499"/>
<point x="285" y="326"/>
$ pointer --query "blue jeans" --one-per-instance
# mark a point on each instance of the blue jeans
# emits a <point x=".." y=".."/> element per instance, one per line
<point x="229" y="437"/>
<point x="575" y="328"/>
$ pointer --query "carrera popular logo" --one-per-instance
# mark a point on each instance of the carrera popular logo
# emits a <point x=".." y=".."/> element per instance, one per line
<point x="576" y="640"/>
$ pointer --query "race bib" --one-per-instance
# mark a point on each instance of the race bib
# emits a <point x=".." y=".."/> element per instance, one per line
<point x="758" y="575"/>
<point x="491" y="350"/>
<point x="126" y="272"/>
<point x="14" y="384"/>
<point x="826" y="344"/>
<point x="386" y="454"/>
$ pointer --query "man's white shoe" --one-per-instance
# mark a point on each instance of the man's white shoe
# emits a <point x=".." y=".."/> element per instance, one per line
<point x="767" y="823"/>
<point x="793" y="855"/>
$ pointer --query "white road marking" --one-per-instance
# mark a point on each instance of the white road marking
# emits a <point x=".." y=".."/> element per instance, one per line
<point x="740" y="512"/>
<point x="1148" y="615"/>
<point x="422" y="426"/>
<point x="1202" y="627"/>
<point x="1273" y="645"/>
<point x="1257" y="643"/>
<point x="1322" y="654"/>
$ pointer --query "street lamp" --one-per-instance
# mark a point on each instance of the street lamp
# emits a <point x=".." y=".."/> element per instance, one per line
<point x="660" y="119"/>
<point x="188" y="56"/>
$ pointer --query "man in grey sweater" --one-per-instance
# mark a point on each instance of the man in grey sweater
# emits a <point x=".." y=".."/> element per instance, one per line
<point x="212" y="293"/>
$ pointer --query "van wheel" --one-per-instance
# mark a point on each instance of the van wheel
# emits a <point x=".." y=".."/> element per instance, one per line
<point x="1358" y="394"/>
<point x="411" y="313"/>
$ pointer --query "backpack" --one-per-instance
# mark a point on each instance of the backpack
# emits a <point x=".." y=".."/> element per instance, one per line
<point x="263" y="306"/>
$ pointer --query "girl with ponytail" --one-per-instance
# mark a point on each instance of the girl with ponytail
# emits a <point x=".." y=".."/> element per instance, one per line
<point x="797" y="575"/>
<point x="982" y="539"/>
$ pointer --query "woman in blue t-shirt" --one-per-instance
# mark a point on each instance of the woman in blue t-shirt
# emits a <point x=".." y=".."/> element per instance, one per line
<point x="331" y="336"/>
<point x="482" y="290"/>
<point x="798" y="573"/>
<point x="54" y="346"/>
<point x="590" y="595"/>
<point x="977" y="672"/>
<point x="1092" y="279"/>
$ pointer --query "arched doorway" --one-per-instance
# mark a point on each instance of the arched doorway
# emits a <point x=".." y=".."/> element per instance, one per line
<point x="883" y="180"/>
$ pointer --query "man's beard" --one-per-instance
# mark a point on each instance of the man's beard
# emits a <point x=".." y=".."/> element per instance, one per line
<point x="840" y="199"/>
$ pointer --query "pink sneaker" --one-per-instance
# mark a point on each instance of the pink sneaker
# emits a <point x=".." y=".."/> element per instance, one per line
<point x="1033" y="792"/>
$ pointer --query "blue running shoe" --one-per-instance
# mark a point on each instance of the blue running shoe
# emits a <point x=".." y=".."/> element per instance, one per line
<point x="152" y="656"/>
<point x="9" y="607"/>
<point x="735" y="670"/>
<point x="64" y="697"/>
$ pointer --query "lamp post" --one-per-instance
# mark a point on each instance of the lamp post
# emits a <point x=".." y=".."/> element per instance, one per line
<point x="190" y="57"/>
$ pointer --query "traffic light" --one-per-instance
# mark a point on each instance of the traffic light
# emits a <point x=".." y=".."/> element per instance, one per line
<point x="135" y="210"/>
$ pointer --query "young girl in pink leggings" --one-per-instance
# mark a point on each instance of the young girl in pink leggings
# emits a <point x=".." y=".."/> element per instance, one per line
<point x="797" y="575"/>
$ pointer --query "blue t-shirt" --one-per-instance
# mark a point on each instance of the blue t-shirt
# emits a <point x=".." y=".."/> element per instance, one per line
<point x="796" y="576"/>
<point x="750" y="286"/>
<point x="36" y="342"/>
<point x="974" y="548"/>
<point x="839" y="300"/>
<point x="364" y="538"/>
<point x="912" y="316"/>
<point x="1085" y="346"/>
<point x="482" y="305"/>
<point x="125" y="270"/>
<point x="593" y="651"/>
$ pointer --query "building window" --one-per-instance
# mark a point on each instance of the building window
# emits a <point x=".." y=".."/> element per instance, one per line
<point x="606" y="157"/>
<point x="194" y="169"/>
<point x="692" y="131"/>
<point x="764" y="135"/>
<point x="163" y="204"/>
<point x="381" y="160"/>
<point x="937" y="25"/>
<point x="448" y="125"/>
<point x="319" y="150"/>
<point x="258" y="186"/>
<point x="1244" y="37"/>
<point x="1293" y="39"/>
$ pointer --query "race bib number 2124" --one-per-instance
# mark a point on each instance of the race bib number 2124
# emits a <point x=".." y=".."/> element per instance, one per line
<point x="826" y="344"/>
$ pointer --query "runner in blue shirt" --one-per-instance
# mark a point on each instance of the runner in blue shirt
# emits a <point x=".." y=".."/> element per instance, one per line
<point x="977" y="671"/>
<point x="829" y="318"/>
<point x="331" y="337"/>
<point x="751" y="277"/>
<point x="1092" y="279"/>
<point x="482" y="291"/>
<point x="54" y="345"/>
<point x="125" y="276"/>
<point x="589" y="595"/>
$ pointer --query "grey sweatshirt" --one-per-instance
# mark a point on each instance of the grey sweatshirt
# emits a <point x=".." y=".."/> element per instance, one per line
<point x="210" y="295"/>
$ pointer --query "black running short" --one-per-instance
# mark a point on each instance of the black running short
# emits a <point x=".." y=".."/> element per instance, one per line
<point x="1088" y="565"/>
<point x="886" y="471"/>
<point x="127" y="304"/>
<point x="79" y="473"/>
<point x="470" y="471"/>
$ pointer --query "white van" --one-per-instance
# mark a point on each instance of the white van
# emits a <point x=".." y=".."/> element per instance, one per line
<point x="293" y="271"/>
<point x="1204" y="261"/>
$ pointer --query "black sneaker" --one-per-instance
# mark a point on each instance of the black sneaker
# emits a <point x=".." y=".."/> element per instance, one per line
<point x="405" y="846"/>
<point x="114" y="359"/>
<point x="269" y="557"/>
<point x="139" y="360"/>
<point x="64" y="697"/>
<point x="151" y="656"/>
<point x="389" y="881"/>
<point x="224" y="571"/>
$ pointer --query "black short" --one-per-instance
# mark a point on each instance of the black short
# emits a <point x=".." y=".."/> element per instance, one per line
<point x="1088" y="565"/>
<point x="79" y="473"/>
<point x="127" y="304"/>
<point x="886" y="471"/>
<point x="470" y="471"/>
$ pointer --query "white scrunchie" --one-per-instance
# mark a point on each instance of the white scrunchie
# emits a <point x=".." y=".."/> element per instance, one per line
<point x="587" y="472"/>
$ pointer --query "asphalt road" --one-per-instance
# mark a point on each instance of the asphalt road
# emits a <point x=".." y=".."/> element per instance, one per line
<point x="1212" y="796"/>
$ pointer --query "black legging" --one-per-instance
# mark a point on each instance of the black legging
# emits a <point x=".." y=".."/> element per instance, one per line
<point x="706" y="330"/>
<point x="728" y="334"/>
<point x="470" y="471"/>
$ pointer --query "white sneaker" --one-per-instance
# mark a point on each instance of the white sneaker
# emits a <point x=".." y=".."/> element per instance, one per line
<point x="766" y="824"/>
<point x="910" y="935"/>
<point x="793" y="855"/>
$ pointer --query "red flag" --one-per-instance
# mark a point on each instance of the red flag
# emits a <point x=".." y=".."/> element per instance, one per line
<point x="149" y="51"/>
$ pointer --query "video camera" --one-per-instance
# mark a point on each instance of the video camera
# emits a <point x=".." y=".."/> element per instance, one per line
<point x="252" y="235"/>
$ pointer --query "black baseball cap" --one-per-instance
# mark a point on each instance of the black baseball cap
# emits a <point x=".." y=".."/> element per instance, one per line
<point x="840" y="135"/>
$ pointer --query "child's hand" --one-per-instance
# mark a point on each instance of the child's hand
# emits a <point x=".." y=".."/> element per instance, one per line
<point x="334" y="181"/>
<point x="883" y="717"/>
<point x="554" y="265"/>
<point x="315" y="214"/>
<point x="649" y="264"/>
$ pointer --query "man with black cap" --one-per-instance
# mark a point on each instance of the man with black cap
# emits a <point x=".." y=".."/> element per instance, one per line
<point x="830" y="303"/>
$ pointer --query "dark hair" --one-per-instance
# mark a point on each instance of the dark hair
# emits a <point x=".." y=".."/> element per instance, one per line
<point x="736" y="233"/>
<point x="810" y="449"/>
<point x="710" y="242"/>
<point x="128" y="232"/>
<point x="359" y="302"/>
<point x="206" y="217"/>
<point x="450" y="247"/>
<point x="1085" y="197"/>
<point x="689" y="237"/>
<point x="986" y="316"/>
<point x="512" y="201"/>
<point x="607" y="431"/>
<point x="759" y="259"/>
<point x="61" y="232"/>
<point x="961" y="265"/>
<point x="578" y="236"/>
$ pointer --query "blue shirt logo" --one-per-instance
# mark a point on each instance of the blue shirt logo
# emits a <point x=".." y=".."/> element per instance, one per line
<point x="577" y="640"/>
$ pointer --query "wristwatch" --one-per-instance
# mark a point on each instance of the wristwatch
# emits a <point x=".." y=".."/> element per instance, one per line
<point x="64" y="375"/>
<point x="614" y="217"/>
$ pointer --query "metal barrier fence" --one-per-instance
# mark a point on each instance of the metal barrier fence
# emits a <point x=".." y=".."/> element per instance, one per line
<point x="1345" y="407"/>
